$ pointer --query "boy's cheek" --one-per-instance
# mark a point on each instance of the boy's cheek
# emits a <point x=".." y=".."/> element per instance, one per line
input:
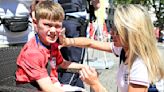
<point x="59" y="30"/>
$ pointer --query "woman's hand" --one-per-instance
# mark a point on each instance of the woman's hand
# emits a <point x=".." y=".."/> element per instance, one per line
<point x="62" y="38"/>
<point x="89" y="75"/>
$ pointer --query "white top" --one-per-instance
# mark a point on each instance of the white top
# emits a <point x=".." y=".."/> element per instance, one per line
<point x="135" y="76"/>
<point x="9" y="8"/>
<point x="138" y="74"/>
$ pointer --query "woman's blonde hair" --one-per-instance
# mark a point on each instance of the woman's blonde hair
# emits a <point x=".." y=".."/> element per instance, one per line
<point x="49" y="10"/>
<point x="135" y="29"/>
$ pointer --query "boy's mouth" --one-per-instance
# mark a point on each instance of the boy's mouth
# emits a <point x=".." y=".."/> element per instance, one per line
<point x="52" y="35"/>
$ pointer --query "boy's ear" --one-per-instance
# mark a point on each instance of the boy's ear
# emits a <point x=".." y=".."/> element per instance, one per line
<point x="35" y="24"/>
<point x="33" y="17"/>
<point x="34" y="21"/>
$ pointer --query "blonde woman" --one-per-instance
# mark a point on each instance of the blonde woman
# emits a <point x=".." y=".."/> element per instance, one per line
<point x="133" y="33"/>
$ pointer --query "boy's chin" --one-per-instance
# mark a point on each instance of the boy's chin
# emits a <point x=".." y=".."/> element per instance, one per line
<point x="52" y="40"/>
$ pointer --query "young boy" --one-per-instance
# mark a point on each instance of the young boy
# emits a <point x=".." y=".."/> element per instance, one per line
<point x="42" y="50"/>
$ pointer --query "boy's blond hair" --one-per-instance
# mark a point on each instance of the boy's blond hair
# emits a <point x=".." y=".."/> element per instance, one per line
<point x="49" y="10"/>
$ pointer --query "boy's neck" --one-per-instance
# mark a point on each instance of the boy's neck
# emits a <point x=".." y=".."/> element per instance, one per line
<point x="39" y="42"/>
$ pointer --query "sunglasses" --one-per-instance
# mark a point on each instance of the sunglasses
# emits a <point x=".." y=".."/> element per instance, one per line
<point x="113" y="29"/>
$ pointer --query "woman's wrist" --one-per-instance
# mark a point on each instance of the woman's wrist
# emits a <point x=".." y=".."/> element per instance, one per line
<point x="71" y="42"/>
<point x="98" y="87"/>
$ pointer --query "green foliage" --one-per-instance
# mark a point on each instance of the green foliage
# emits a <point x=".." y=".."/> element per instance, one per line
<point x="122" y="1"/>
<point x="158" y="5"/>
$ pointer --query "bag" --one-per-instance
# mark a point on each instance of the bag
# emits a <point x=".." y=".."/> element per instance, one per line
<point x="15" y="24"/>
<point x="152" y="88"/>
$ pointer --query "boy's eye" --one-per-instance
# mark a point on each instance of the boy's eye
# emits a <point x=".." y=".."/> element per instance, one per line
<point x="48" y="25"/>
<point x="58" y="26"/>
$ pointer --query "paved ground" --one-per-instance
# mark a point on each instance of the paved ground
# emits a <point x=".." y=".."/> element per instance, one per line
<point x="161" y="49"/>
<point x="108" y="76"/>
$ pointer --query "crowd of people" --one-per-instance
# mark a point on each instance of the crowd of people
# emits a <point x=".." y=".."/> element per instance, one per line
<point x="53" y="36"/>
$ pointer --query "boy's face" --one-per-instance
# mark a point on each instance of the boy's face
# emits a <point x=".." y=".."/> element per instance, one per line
<point x="48" y="30"/>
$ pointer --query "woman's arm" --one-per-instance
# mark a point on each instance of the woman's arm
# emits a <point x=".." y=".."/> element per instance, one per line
<point x="98" y="87"/>
<point x="86" y="43"/>
<point x="137" y="88"/>
<point x="83" y="42"/>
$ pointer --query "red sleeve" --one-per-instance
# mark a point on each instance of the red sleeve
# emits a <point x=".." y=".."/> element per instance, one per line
<point x="33" y="62"/>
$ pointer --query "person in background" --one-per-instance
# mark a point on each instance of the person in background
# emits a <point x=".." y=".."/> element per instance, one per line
<point x="135" y="43"/>
<point x="75" y="23"/>
<point x="40" y="57"/>
<point x="14" y="8"/>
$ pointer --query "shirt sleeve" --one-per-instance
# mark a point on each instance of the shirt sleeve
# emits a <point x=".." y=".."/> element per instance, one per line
<point x="139" y="73"/>
<point x="33" y="64"/>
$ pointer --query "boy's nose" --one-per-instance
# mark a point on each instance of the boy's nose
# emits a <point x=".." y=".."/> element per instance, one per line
<point x="53" y="29"/>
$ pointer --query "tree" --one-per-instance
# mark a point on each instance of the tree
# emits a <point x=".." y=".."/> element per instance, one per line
<point x="159" y="11"/>
<point x="158" y="5"/>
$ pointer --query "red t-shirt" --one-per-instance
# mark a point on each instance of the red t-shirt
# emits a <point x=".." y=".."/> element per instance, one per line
<point x="32" y="61"/>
